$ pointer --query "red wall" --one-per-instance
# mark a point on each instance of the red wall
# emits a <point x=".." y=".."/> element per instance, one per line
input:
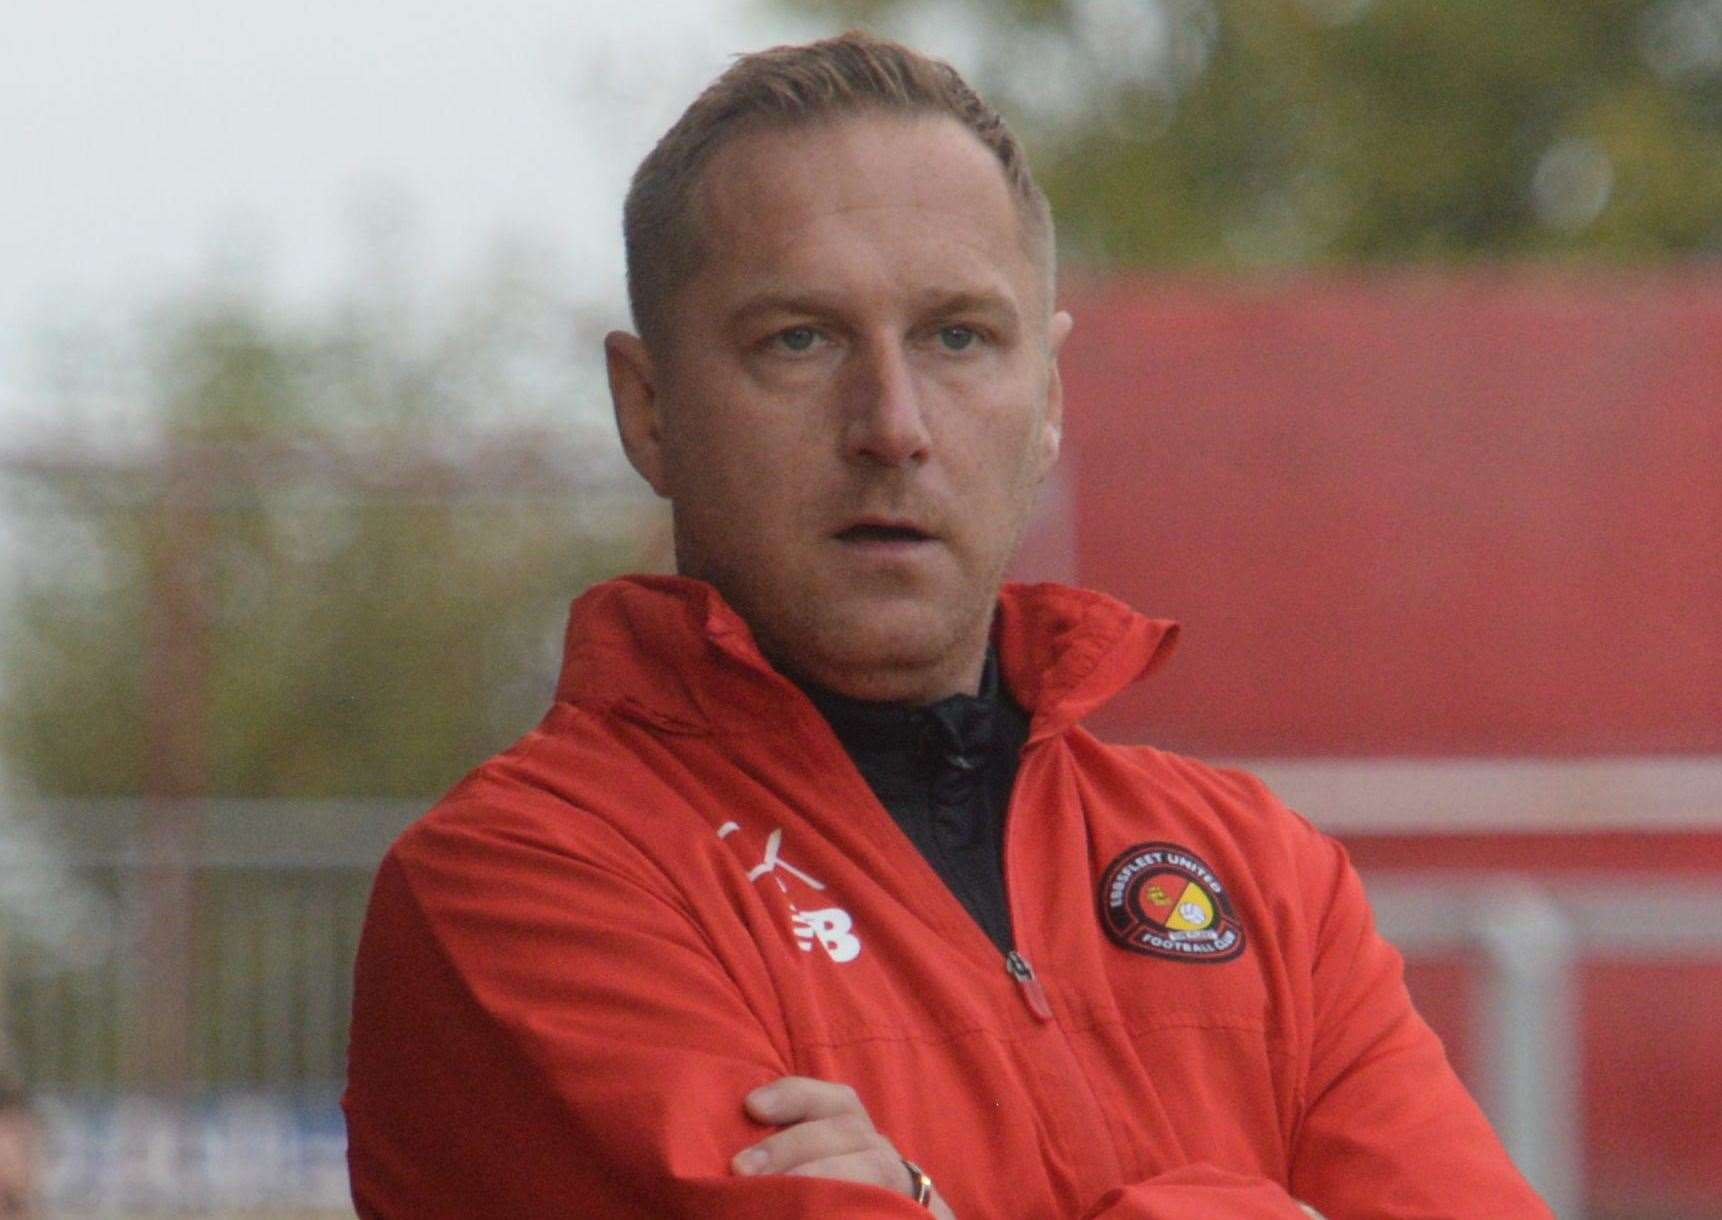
<point x="1410" y="514"/>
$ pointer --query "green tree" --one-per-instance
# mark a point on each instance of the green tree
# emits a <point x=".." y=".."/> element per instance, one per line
<point x="1237" y="133"/>
<point x="325" y="568"/>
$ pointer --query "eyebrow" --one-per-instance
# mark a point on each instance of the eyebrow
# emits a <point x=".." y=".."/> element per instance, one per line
<point x="828" y="304"/>
<point x="992" y="304"/>
<point x="816" y="303"/>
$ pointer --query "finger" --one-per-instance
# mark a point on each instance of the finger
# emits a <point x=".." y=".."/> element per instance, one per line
<point x="875" y="1167"/>
<point x="811" y="1141"/>
<point x="795" y="1099"/>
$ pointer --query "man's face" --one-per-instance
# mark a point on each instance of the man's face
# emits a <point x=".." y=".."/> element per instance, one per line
<point x="857" y="399"/>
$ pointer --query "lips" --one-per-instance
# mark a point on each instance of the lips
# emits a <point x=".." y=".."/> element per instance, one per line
<point x="882" y="530"/>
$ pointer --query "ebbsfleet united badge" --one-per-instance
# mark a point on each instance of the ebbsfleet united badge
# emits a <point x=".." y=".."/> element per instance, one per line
<point x="1159" y="899"/>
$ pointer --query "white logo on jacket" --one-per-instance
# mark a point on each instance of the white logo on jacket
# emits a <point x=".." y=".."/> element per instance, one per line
<point x="831" y="928"/>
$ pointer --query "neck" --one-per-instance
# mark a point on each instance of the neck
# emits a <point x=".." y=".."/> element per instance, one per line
<point x="874" y="684"/>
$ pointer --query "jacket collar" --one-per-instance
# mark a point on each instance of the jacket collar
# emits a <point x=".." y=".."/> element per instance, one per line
<point x="669" y="651"/>
<point x="960" y="725"/>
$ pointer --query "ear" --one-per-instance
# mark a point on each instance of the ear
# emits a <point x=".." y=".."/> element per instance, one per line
<point x="634" y="394"/>
<point x="1053" y="424"/>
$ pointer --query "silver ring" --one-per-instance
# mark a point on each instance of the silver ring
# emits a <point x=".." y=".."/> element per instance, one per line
<point x="920" y="1185"/>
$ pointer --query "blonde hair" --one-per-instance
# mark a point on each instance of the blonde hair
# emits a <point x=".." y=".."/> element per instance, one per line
<point x="786" y="87"/>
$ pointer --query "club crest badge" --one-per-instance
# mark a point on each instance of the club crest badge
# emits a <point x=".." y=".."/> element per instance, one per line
<point x="1164" y="901"/>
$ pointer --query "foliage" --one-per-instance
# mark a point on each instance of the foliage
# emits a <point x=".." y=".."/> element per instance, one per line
<point x="1236" y="133"/>
<point x="316" y="574"/>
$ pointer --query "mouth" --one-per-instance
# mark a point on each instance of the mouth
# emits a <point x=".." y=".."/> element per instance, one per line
<point x="883" y="532"/>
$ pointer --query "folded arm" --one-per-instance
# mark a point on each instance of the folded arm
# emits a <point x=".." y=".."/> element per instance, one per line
<point x="1387" y="1127"/>
<point x="537" y="1033"/>
<point x="542" y="1032"/>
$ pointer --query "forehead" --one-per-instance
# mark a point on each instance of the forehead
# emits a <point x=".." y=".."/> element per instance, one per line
<point x="904" y="195"/>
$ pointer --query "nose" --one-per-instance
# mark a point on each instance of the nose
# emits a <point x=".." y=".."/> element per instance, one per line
<point x="884" y="422"/>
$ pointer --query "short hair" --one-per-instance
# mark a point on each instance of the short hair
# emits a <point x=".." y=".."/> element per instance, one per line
<point x="787" y="87"/>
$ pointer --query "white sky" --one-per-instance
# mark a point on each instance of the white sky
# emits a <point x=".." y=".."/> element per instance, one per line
<point x="139" y="140"/>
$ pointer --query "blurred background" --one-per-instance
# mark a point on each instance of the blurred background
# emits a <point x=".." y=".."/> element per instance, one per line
<point x="1397" y="378"/>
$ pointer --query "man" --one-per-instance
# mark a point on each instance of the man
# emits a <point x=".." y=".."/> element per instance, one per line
<point x="810" y="896"/>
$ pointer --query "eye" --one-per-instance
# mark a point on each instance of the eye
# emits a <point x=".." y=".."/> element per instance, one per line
<point x="957" y="338"/>
<point x="797" y="338"/>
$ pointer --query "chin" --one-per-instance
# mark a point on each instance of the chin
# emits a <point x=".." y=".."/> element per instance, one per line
<point x="885" y="652"/>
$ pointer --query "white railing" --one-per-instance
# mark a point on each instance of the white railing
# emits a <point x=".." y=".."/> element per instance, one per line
<point x="1532" y="936"/>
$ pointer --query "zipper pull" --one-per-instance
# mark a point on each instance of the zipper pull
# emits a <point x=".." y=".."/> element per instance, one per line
<point x="1033" y="994"/>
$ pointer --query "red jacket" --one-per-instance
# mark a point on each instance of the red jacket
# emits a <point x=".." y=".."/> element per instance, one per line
<point x="678" y="887"/>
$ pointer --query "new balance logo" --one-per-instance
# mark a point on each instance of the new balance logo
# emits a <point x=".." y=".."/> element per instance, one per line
<point x="831" y="928"/>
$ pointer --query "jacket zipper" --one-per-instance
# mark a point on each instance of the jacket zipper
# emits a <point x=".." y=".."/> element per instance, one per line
<point x="1033" y="994"/>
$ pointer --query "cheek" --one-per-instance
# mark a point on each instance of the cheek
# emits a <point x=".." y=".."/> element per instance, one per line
<point x="1046" y="445"/>
<point x="743" y="486"/>
<point x="1022" y="470"/>
<point x="1024" y="453"/>
<point x="713" y="446"/>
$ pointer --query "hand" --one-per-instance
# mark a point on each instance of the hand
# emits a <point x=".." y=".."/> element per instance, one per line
<point x="826" y="1134"/>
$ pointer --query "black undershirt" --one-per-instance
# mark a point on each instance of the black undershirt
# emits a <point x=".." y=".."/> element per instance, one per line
<point x="944" y="772"/>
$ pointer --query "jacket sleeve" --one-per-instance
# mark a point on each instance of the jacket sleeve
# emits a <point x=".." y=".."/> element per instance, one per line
<point x="1199" y="1190"/>
<point x="1386" y="1129"/>
<point x="538" y="1033"/>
